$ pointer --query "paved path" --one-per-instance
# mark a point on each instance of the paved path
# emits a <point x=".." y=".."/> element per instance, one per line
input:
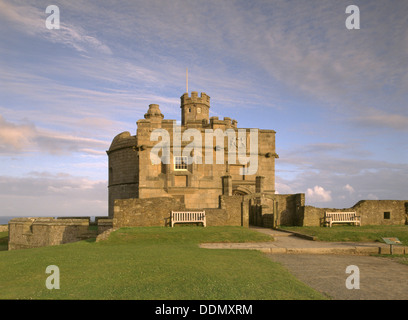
<point x="322" y="266"/>
<point x="286" y="242"/>
<point x="380" y="278"/>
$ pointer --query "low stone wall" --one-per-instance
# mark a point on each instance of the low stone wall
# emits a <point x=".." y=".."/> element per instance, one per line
<point x="157" y="211"/>
<point x="103" y="224"/>
<point x="144" y="212"/>
<point x="3" y="227"/>
<point x="372" y="212"/>
<point x="314" y="216"/>
<point x="236" y="211"/>
<point x="39" y="232"/>
<point x="271" y="210"/>
<point x="382" y="212"/>
<point x="223" y="217"/>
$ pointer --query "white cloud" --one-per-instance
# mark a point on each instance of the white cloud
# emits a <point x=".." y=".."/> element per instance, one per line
<point x="283" y="188"/>
<point x="349" y="188"/>
<point x="318" y="194"/>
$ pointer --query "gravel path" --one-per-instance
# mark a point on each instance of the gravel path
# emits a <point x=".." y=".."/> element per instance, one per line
<point x="380" y="278"/>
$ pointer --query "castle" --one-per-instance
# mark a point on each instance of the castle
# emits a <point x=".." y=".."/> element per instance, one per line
<point x="204" y="163"/>
<point x="199" y="183"/>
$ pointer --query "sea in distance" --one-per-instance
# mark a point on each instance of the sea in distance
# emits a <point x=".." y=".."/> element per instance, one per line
<point x="6" y="219"/>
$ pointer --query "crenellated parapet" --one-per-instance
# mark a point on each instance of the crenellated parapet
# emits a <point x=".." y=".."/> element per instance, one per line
<point x="194" y="108"/>
<point x="195" y="99"/>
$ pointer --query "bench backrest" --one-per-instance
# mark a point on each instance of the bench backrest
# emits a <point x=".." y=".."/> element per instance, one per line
<point x="341" y="216"/>
<point x="188" y="215"/>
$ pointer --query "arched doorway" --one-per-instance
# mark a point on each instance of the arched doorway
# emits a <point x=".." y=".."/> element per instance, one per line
<point x="238" y="193"/>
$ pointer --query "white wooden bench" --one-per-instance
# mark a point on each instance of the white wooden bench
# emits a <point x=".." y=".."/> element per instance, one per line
<point x="341" y="217"/>
<point x="187" y="217"/>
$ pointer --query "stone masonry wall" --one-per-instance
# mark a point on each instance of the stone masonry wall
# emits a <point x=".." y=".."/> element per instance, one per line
<point x="27" y="233"/>
<point x="271" y="210"/>
<point x="145" y="212"/>
<point x="236" y="208"/>
<point x="157" y="211"/>
<point x="372" y="212"/>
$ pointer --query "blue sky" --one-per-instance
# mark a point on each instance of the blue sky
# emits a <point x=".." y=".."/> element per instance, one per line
<point x="337" y="98"/>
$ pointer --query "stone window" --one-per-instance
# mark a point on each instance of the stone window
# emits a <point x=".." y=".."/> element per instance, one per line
<point x="180" y="163"/>
<point x="198" y="110"/>
<point x="387" y="215"/>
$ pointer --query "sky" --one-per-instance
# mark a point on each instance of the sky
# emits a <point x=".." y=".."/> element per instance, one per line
<point x="336" y="97"/>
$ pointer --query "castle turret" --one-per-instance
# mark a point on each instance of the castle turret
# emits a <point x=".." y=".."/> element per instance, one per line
<point x="154" y="112"/>
<point x="194" y="108"/>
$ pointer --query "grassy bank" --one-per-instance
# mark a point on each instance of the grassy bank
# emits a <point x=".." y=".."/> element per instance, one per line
<point x="151" y="263"/>
<point x="354" y="233"/>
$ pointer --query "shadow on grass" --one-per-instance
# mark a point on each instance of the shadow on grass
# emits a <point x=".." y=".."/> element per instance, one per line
<point x="3" y="241"/>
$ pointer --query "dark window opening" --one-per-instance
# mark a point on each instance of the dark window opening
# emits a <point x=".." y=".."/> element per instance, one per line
<point x="387" y="215"/>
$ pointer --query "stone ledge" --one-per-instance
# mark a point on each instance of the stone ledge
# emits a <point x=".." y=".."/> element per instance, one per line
<point x="300" y="235"/>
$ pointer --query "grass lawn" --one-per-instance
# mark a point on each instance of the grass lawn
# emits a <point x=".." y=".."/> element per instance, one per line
<point x="355" y="233"/>
<point x="152" y="263"/>
<point x="3" y="240"/>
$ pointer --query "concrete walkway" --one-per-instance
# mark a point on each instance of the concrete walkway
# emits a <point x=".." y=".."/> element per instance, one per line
<point x="322" y="265"/>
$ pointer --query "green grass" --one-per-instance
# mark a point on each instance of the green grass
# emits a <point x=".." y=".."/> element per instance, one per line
<point x="3" y="240"/>
<point x="152" y="263"/>
<point x="355" y="233"/>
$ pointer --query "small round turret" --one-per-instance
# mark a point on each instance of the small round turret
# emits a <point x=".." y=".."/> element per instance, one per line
<point x="153" y="112"/>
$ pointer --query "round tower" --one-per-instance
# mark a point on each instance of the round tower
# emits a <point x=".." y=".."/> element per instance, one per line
<point x="194" y="108"/>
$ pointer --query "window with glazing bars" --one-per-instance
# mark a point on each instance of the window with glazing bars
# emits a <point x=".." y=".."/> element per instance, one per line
<point x="180" y="163"/>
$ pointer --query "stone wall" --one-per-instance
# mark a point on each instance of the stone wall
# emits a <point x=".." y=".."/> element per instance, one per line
<point x="271" y="210"/>
<point x="3" y="227"/>
<point x="372" y="212"/>
<point x="236" y="210"/>
<point x="145" y="212"/>
<point x="157" y="211"/>
<point x="27" y="233"/>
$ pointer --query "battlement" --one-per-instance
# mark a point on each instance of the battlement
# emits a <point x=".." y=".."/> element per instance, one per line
<point x="195" y="99"/>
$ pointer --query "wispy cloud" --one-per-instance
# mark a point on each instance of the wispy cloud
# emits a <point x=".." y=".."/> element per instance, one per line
<point x="285" y="65"/>
<point x="380" y="119"/>
<point x="52" y="194"/>
<point x="31" y="20"/>
<point x="16" y="138"/>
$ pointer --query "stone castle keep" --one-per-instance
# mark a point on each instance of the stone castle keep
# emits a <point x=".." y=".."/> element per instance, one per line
<point x="194" y="185"/>
<point x="144" y="186"/>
